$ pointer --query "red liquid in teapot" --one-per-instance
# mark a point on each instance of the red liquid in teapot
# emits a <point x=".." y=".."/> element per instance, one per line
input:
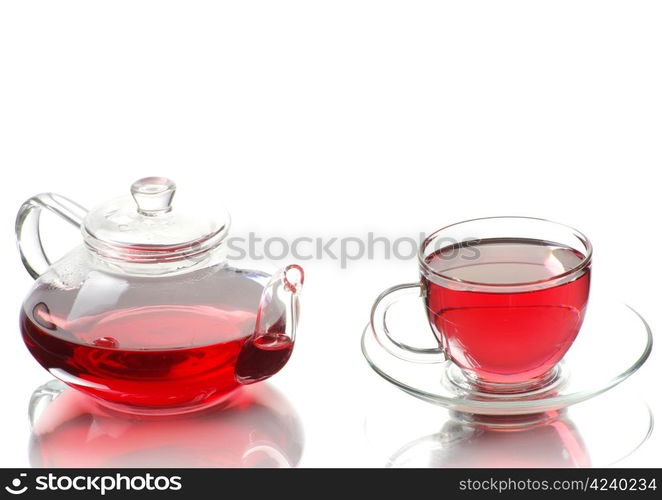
<point x="127" y="356"/>
<point x="262" y="356"/>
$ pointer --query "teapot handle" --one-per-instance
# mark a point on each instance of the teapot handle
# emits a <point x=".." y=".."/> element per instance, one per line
<point x="28" y="234"/>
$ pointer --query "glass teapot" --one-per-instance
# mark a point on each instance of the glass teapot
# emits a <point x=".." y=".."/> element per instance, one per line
<point x="147" y="315"/>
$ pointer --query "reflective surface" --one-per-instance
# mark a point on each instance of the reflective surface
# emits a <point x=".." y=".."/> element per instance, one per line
<point x="255" y="427"/>
<point x="569" y="438"/>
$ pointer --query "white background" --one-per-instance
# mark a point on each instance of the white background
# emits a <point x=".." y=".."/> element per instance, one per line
<point x="334" y="119"/>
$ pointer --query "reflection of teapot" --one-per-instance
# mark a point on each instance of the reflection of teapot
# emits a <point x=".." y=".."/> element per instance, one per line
<point x="147" y="315"/>
<point x="543" y="440"/>
<point x="255" y="427"/>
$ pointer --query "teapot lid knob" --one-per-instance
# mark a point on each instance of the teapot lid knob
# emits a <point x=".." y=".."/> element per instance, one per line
<point x="153" y="195"/>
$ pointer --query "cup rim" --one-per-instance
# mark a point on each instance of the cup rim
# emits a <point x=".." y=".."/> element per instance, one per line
<point x="585" y="262"/>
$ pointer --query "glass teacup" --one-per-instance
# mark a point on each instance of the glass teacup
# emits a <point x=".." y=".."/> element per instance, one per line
<point x="504" y="296"/>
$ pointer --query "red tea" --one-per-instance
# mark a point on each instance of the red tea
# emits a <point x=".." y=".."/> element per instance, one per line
<point x="501" y="335"/>
<point x="155" y="356"/>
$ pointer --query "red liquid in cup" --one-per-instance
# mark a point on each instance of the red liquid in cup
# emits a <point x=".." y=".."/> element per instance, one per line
<point x="501" y="336"/>
<point x="127" y="356"/>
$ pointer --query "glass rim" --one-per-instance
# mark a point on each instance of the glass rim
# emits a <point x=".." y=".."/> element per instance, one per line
<point x="585" y="262"/>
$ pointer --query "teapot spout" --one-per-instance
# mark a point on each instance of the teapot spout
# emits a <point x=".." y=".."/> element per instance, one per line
<point x="279" y="306"/>
<point x="270" y="346"/>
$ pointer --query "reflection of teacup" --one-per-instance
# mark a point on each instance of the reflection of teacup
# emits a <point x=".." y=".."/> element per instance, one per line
<point x="257" y="427"/>
<point x="505" y="297"/>
<point x="544" y="440"/>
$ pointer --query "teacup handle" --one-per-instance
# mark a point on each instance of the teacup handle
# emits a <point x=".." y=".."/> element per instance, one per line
<point x="28" y="235"/>
<point x="380" y="330"/>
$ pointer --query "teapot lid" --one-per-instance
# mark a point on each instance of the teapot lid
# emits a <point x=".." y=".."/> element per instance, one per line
<point x="145" y="227"/>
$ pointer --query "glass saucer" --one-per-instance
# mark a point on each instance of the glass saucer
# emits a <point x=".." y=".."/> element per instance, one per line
<point x="614" y="342"/>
